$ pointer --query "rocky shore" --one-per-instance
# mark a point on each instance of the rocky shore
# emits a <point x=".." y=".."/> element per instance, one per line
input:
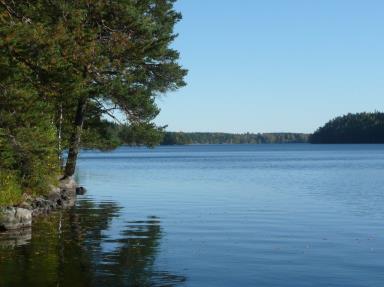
<point x="21" y="216"/>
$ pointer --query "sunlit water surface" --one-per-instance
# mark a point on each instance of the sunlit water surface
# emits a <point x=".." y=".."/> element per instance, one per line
<point x="219" y="215"/>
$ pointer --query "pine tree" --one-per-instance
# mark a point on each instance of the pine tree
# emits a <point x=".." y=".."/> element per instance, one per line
<point x="65" y="65"/>
<point x="87" y="58"/>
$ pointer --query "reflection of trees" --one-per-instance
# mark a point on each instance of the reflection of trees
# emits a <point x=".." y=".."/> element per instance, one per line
<point x="66" y="249"/>
<point x="132" y="263"/>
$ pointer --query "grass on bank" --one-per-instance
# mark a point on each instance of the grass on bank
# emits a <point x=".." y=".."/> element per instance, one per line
<point x="10" y="191"/>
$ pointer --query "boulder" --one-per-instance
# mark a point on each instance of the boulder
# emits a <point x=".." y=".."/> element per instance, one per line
<point x="12" y="218"/>
<point x="54" y="194"/>
<point x="68" y="198"/>
<point x="80" y="190"/>
<point x="68" y="183"/>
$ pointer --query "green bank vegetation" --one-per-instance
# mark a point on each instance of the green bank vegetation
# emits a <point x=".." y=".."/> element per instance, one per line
<point x="64" y="67"/>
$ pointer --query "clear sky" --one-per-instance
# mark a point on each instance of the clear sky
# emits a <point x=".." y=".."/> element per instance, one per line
<point x="276" y="65"/>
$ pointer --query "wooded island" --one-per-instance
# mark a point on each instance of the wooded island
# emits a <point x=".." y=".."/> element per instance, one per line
<point x="351" y="128"/>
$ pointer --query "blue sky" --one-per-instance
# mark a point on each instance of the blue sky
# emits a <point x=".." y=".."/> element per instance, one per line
<point x="276" y="65"/>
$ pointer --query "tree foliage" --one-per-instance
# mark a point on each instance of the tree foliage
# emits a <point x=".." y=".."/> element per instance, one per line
<point x="67" y="65"/>
<point x="28" y="152"/>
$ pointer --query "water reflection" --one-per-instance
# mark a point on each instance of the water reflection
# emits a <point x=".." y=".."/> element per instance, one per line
<point x="15" y="238"/>
<point x="72" y="249"/>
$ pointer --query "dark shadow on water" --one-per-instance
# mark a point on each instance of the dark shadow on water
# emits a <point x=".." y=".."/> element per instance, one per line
<point x="72" y="249"/>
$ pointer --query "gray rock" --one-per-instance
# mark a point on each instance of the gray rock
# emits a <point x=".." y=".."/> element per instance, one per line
<point x="68" y="198"/>
<point x="68" y="183"/>
<point x="12" y="218"/>
<point x="54" y="195"/>
<point x="26" y="205"/>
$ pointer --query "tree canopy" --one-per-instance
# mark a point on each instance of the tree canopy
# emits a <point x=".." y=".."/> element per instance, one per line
<point x="67" y="65"/>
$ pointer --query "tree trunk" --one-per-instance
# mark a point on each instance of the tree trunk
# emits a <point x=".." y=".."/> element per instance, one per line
<point x="74" y="142"/>
<point x="59" y="138"/>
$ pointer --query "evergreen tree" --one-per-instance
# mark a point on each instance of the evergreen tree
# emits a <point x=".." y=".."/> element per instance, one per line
<point x="88" y="58"/>
<point x="66" y="65"/>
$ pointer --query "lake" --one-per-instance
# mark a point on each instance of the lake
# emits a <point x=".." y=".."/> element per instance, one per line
<point x="212" y="215"/>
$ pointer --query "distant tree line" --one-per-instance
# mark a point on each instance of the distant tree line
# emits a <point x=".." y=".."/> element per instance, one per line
<point x="351" y="128"/>
<point x="112" y="135"/>
<point x="180" y="138"/>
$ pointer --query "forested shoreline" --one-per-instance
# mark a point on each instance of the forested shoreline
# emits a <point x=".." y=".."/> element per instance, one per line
<point x="181" y="138"/>
<point x="114" y="135"/>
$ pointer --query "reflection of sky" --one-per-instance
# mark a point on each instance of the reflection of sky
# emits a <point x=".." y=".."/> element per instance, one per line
<point x="110" y="246"/>
<point x="181" y="174"/>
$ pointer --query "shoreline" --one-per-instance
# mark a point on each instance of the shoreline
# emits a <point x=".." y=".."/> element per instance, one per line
<point x="13" y="218"/>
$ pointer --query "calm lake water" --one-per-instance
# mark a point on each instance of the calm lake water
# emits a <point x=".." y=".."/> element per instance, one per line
<point x="219" y="215"/>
